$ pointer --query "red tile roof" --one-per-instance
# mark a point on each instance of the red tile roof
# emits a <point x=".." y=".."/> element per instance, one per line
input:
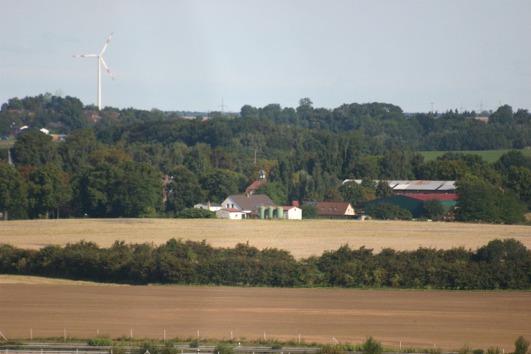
<point x="255" y="185"/>
<point x="332" y="208"/>
<point x="431" y="196"/>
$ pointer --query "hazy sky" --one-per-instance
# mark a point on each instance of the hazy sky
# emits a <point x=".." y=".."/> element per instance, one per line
<point x="191" y="55"/>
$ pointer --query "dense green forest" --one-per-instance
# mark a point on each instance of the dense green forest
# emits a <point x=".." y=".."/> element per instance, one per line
<point x="112" y="162"/>
<point x="499" y="265"/>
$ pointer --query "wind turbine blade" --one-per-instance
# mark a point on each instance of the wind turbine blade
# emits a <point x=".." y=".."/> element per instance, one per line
<point x="85" y="55"/>
<point x="106" y="44"/>
<point x="106" y="68"/>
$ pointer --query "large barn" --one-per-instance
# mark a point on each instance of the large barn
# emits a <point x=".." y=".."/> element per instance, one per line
<point x="415" y="202"/>
<point x="416" y="186"/>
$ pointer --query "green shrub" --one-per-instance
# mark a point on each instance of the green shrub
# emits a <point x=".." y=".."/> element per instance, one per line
<point x="521" y="345"/>
<point x="331" y="349"/>
<point x="465" y="350"/>
<point x="195" y="213"/>
<point x="493" y="350"/>
<point x="100" y="342"/>
<point x="222" y="348"/>
<point x="372" y="346"/>
<point x="387" y="211"/>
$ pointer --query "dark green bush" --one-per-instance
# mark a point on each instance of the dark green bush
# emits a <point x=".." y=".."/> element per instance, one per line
<point x="521" y="345"/>
<point x="195" y="213"/>
<point x="371" y="346"/>
<point x="387" y="211"/>
<point x="100" y="342"/>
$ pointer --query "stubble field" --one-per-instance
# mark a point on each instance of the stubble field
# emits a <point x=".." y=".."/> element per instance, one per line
<point x="301" y="238"/>
<point x="446" y="320"/>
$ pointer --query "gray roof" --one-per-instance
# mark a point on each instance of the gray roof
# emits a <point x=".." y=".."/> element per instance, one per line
<point x="424" y="185"/>
<point x="447" y="186"/>
<point x="252" y="202"/>
<point x="419" y="185"/>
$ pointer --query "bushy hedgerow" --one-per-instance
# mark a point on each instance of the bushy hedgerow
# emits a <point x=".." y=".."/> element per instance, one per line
<point x="501" y="264"/>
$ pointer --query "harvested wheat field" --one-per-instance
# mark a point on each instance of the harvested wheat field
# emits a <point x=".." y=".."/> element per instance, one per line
<point x="301" y="238"/>
<point x="446" y="320"/>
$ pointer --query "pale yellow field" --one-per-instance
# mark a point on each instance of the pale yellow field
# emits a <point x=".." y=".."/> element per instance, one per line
<point x="301" y="238"/>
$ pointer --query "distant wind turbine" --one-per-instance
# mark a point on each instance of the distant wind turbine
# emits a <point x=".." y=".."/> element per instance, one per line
<point x="100" y="62"/>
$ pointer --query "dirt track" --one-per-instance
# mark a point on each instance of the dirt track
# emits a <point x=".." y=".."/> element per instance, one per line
<point x="448" y="320"/>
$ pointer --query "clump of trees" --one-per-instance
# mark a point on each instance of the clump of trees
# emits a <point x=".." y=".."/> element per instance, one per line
<point x="501" y="264"/>
<point x="387" y="211"/>
<point x="114" y="163"/>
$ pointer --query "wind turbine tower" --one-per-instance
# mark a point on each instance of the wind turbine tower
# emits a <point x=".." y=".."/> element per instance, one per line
<point x="100" y="62"/>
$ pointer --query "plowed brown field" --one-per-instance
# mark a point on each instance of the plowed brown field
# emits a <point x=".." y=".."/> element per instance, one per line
<point x="301" y="238"/>
<point x="447" y="320"/>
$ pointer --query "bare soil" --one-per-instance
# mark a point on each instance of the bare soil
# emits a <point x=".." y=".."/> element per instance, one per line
<point x="302" y="238"/>
<point x="427" y="319"/>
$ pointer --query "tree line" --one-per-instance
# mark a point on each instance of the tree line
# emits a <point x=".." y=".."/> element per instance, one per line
<point x="113" y="162"/>
<point x="450" y="130"/>
<point x="501" y="264"/>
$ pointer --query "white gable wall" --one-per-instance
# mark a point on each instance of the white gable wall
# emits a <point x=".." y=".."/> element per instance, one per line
<point x="293" y="214"/>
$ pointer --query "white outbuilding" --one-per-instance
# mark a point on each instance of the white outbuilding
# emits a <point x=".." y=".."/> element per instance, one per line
<point x="292" y="213"/>
<point x="230" y="213"/>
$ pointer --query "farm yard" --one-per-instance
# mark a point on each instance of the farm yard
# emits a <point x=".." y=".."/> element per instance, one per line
<point x="301" y="238"/>
<point x="447" y="320"/>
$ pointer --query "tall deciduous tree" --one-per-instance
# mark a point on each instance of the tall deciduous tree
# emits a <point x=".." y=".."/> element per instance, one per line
<point x="396" y="164"/>
<point x="76" y="150"/>
<point x="48" y="190"/>
<point x="124" y="189"/>
<point x="482" y="201"/>
<point x="137" y="192"/>
<point x="198" y="159"/>
<point x="183" y="190"/>
<point x="275" y="191"/>
<point x="383" y="190"/>
<point x="34" y="148"/>
<point x="13" y="193"/>
<point x="219" y="184"/>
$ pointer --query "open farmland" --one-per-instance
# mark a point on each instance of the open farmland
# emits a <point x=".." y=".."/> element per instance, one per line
<point x="301" y="238"/>
<point x="447" y="320"/>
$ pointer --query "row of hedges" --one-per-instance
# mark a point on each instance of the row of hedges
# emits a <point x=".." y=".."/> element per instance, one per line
<point x="502" y="264"/>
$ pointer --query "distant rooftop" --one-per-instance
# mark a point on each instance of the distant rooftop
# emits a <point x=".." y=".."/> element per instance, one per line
<point x="421" y="186"/>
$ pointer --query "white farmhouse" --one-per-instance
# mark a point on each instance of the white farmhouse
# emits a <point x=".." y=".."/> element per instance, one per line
<point x="249" y="204"/>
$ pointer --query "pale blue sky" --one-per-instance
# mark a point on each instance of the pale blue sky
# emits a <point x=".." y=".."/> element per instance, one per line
<point x="191" y="55"/>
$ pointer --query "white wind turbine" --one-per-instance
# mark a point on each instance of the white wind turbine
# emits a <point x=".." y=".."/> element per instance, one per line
<point x="100" y="62"/>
